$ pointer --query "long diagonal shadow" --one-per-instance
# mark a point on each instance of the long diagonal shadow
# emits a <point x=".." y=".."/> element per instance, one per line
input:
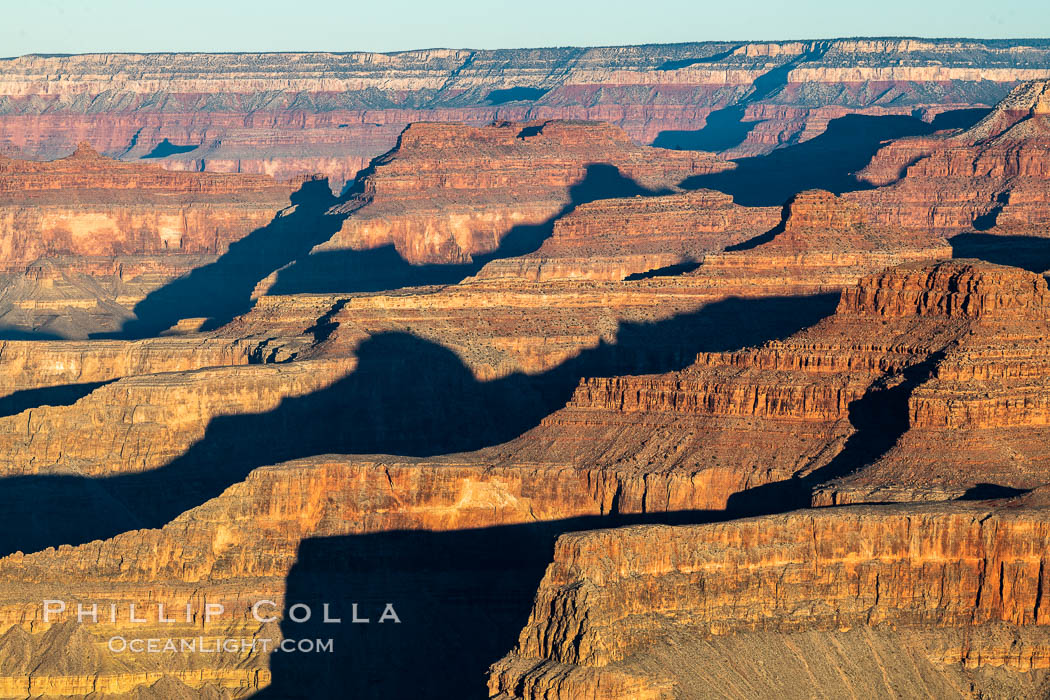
<point x="879" y="418"/>
<point x="61" y="395"/>
<point x="407" y="397"/>
<point x="1031" y="253"/>
<point x="461" y="597"/>
<point x="223" y="289"/>
<point x="383" y="268"/>
<point x="828" y="161"/>
<point x="726" y="128"/>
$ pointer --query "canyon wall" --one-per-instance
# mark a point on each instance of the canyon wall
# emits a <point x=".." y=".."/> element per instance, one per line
<point x="614" y="599"/>
<point x="990" y="177"/>
<point x="288" y="114"/>
<point x="83" y="239"/>
<point x="520" y="340"/>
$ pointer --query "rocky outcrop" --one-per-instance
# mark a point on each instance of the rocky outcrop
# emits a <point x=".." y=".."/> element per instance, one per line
<point x="71" y="296"/>
<point x="915" y="359"/>
<point x="449" y="193"/>
<point x="85" y="238"/>
<point x="658" y="611"/>
<point x="29" y="364"/>
<point x="546" y="359"/>
<point x="984" y="404"/>
<point x="283" y="114"/>
<point x="824" y="243"/>
<point x="142" y="422"/>
<point x="87" y="205"/>
<point x="992" y="174"/>
<point x="240" y="548"/>
<point x="613" y="239"/>
<point x="953" y="290"/>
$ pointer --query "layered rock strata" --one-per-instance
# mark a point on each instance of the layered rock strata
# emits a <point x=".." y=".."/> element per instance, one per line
<point x="978" y="425"/>
<point x="451" y="192"/>
<point x="915" y="359"/>
<point x="87" y="205"/>
<point x="711" y="610"/>
<point x="613" y="239"/>
<point x="84" y="239"/>
<point x="993" y="174"/>
<point x="643" y="445"/>
<point x="283" y="114"/>
<point x="240" y="548"/>
<point x="824" y="243"/>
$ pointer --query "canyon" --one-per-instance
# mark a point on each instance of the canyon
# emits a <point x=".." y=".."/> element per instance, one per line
<point x="85" y="238"/>
<point x="299" y="113"/>
<point x="587" y="362"/>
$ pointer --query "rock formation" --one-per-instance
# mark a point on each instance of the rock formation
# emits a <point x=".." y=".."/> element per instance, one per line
<point x="824" y="243"/>
<point x="507" y="341"/>
<point x="287" y="114"/>
<point x="992" y="174"/>
<point x="87" y="205"/>
<point x="914" y="359"/>
<point x="85" y="238"/>
<point x="945" y="601"/>
<point x="449" y="192"/>
<point x="612" y="239"/>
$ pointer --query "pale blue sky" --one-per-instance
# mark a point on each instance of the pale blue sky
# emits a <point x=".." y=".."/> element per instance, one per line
<point x="65" y="26"/>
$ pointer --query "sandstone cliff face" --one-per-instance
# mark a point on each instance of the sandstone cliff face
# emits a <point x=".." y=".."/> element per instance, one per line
<point x="543" y="393"/>
<point x="614" y="238"/>
<point x="915" y="359"/>
<point x="984" y="404"/>
<point x="240" y="548"/>
<point x="993" y="174"/>
<point x="952" y="290"/>
<point x="449" y="193"/>
<point x="89" y="205"/>
<point x="28" y="365"/>
<point x="83" y="239"/>
<point x="614" y="600"/>
<point x="283" y="114"/>
<point x="624" y="445"/>
<point x="825" y="243"/>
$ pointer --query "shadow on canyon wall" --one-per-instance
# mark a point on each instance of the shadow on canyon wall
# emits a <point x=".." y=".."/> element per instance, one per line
<point x="166" y="148"/>
<point x="726" y="128"/>
<point x="515" y="94"/>
<point x="665" y="271"/>
<point x="827" y="161"/>
<point x="1031" y="253"/>
<point x="62" y="395"/>
<point x="675" y="64"/>
<point x="13" y="333"/>
<point x="879" y="419"/>
<point x="383" y="268"/>
<point x="986" y="492"/>
<point x="461" y="597"/>
<point x="223" y="289"/>
<point x="407" y="396"/>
